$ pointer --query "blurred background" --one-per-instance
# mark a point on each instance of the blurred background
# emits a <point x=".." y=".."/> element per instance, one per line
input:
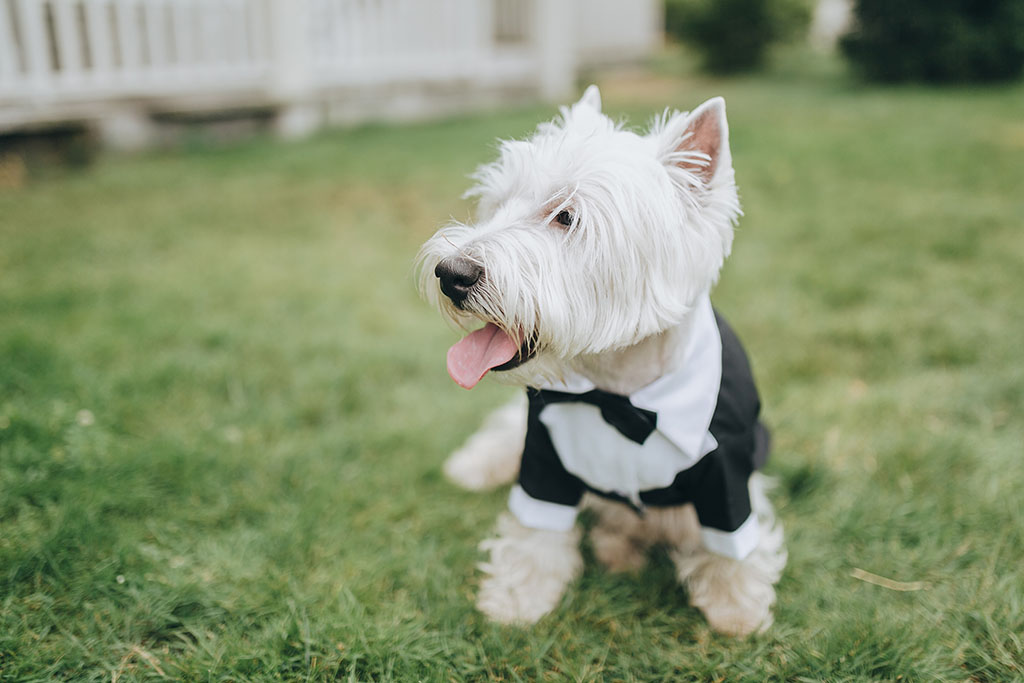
<point x="223" y="407"/>
<point x="135" y="70"/>
<point x="134" y="73"/>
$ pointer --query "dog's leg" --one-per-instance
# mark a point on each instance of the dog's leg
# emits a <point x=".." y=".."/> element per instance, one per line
<point x="490" y="457"/>
<point x="621" y="537"/>
<point x="528" y="571"/>
<point x="736" y="596"/>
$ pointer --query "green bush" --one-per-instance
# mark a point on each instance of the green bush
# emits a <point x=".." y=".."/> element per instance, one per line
<point x="938" y="40"/>
<point x="734" y="35"/>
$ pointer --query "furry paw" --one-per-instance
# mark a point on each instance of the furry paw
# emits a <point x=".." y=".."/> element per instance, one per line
<point x="490" y="457"/>
<point x="736" y="620"/>
<point x="477" y="469"/>
<point x="516" y="603"/>
<point x="736" y="596"/>
<point x="527" y="573"/>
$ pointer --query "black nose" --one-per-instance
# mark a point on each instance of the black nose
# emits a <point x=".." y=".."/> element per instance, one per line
<point x="458" y="276"/>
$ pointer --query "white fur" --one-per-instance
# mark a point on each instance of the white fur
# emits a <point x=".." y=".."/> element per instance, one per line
<point x="736" y="597"/>
<point x="490" y="457"/>
<point x="609" y="297"/>
<point x="649" y="236"/>
<point x="528" y="571"/>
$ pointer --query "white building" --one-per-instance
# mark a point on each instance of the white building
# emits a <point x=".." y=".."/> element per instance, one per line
<point x="122" y="65"/>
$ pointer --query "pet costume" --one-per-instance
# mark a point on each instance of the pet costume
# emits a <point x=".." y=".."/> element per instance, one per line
<point x="691" y="436"/>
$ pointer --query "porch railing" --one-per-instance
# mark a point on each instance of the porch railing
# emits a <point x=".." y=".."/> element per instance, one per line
<point x="68" y="53"/>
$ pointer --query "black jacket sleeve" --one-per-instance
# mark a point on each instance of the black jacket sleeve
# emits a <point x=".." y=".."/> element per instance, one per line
<point x="541" y="473"/>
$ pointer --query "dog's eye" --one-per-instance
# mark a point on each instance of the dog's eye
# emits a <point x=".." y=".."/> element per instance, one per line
<point x="564" y="218"/>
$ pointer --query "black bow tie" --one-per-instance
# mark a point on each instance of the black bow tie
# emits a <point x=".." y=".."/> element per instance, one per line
<point x="636" y="424"/>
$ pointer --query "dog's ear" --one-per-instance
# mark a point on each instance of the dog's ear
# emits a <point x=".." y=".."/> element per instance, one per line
<point x="697" y="142"/>
<point x="591" y="98"/>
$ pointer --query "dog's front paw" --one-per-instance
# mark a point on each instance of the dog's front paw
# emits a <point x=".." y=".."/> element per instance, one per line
<point x="481" y="469"/>
<point x="737" y="620"/>
<point x="527" y="573"/>
<point x="736" y="596"/>
<point x="511" y="602"/>
<point x="490" y="457"/>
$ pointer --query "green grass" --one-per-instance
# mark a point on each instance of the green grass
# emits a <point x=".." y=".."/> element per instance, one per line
<point x="223" y="409"/>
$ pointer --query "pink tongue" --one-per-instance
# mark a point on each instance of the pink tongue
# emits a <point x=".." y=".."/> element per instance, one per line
<point x="470" y="359"/>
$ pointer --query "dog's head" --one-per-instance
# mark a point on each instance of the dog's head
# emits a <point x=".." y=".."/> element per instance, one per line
<point x="588" y="238"/>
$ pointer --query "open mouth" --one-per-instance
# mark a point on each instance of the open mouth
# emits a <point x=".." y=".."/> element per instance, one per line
<point x="486" y="349"/>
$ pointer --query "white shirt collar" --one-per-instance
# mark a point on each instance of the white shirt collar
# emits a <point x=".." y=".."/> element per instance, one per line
<point x="684" y="399"/>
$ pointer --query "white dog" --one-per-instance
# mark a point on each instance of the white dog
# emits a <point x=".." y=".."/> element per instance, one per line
<point x="590" y="265"/>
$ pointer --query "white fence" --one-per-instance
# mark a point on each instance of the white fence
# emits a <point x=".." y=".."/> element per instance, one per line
<point x="95" y="49"/>
<point x="75" y="59"/>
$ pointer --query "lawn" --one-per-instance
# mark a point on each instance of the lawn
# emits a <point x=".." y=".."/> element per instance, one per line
<point x="223" y="408"/>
